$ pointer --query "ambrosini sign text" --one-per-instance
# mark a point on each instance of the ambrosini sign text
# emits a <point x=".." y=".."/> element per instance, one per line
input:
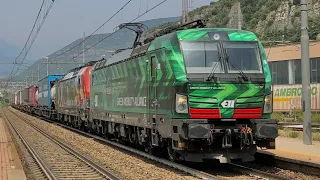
<point x="293" y="91"/>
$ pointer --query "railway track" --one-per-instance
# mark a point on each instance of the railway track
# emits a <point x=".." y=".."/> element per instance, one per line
<point x="250" y="172"/>
<point x="257" y="174"/>
<point x="54" y="158"/>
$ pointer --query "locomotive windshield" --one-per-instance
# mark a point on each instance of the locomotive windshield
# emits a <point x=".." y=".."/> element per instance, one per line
<point x="201" y="56"/>
<point x="242" y="55"/>
<point x="204" y="57"/>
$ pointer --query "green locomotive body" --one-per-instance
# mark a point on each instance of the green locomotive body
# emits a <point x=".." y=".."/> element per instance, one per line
<point x="201" y="93"/>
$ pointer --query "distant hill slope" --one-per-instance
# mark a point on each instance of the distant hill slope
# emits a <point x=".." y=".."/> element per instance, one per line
<point x="7" y="50"/>
<point x="7" y="54"/>
<point x="122" y="39"/>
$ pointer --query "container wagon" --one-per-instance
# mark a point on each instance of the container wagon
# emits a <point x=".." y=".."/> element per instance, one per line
<point x="32" y="101"/>
<point x="45" y="101"/>
<point x="19" y="98"/>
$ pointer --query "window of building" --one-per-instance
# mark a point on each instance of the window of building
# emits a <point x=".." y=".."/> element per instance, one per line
<point x="314" y="69"/>
<point x="279" y="72"/>
<point x="282" y="71"/>
<point x="297" y="71"/>
<point x="273" y="71"/>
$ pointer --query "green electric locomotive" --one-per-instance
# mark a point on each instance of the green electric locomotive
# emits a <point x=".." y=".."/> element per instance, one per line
<point x="200" y="93"/>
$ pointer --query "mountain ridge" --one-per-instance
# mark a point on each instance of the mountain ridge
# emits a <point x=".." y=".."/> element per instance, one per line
<point x="121" y="39"/>
<point x="271" y="20"/>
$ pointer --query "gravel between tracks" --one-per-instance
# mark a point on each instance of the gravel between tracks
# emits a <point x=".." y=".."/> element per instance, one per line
<point x="127" y="166"/>
<point x="131" y="167"/>
<point x="282" y="172"/>
<point x="30" y="167"/>
<point x="62" y="163"/>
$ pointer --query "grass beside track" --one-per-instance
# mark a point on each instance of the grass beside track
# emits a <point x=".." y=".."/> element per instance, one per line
<point x="295" y="117"/>
<point x="297" y="134"/>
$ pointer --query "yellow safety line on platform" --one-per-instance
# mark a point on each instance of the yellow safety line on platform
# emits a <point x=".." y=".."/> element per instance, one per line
<point x="313" y="155"/>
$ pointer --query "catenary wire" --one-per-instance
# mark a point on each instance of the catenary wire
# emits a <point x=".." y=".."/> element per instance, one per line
<point x="109" y="35"/>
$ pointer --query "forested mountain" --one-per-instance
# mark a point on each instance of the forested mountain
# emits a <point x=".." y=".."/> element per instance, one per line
<point x="270" y="19"/>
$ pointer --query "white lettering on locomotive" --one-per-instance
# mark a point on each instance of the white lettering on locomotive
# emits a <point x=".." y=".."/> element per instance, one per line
<point x="132" y="101"/>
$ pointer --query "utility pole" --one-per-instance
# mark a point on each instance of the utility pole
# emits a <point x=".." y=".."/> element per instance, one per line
<point x="185" y="11"/>
<point x="38" y="72"/>
<point x="305" y="69"/>
<point x="239" y="16"/>
<point x="84" y="35"/>
<point x="47" y="66"/>
<point x="31" y="76"/>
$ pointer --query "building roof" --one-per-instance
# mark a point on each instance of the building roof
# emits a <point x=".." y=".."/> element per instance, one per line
<point x="291" y="51"/>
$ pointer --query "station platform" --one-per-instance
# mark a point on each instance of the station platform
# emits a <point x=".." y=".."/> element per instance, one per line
<point x="10" y="164"/>
<point x="293" y="150"/>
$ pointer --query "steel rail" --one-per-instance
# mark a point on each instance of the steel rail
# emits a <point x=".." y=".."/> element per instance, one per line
<point x="102" y="170"/>
<point x="48" y="173"/>
<point x="254" y="172"/>
<point x="185" y="169"/>
<point x="194" y="172"/>
<point x="182" y="168"/>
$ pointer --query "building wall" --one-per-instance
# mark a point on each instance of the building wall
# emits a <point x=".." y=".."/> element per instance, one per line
<point x="291" y="51"/>
<point x="285" y="63"/>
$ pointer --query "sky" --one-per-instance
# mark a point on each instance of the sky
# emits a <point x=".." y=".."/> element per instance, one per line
<point x="69" y="19"/>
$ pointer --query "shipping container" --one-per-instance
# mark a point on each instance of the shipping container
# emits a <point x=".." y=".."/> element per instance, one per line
<point x="16" y="98"/>
<point x="32" y="95"/>
<point x="44" y="90"/>
<point x="19" y="97"/>
<point x="288" y="97"/>
<point x="25" y="96"/>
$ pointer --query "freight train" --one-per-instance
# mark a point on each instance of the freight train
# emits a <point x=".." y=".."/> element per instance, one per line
<point x="199" y="93"/>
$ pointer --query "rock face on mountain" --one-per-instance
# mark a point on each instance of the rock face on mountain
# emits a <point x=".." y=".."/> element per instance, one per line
<point x="270" y="19"/>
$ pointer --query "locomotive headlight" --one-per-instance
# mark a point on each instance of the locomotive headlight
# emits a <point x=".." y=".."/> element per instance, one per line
<point x="267" y="104"/>
<point x="181" y="104"/>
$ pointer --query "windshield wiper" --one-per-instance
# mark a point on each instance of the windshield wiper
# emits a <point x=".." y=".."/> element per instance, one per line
<point x="212" y="74"/>
<point x="244" y="77"/>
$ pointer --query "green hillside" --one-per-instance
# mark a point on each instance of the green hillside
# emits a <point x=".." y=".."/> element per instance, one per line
<point x="269" y="19"/>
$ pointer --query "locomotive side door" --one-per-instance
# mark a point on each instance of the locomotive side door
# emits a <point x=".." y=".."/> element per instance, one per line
<point x="152" y="89"/>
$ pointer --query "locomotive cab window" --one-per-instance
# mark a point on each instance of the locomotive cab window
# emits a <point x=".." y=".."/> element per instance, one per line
<point x="200" y="56"/>
<point x="243" y="55"/>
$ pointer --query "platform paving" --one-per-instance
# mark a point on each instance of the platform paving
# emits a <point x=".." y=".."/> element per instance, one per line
<point x="10" y="164"/>
<point x="295" y="150"/>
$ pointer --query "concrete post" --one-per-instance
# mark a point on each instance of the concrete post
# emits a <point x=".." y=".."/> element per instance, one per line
<point x="305" y="69"/>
